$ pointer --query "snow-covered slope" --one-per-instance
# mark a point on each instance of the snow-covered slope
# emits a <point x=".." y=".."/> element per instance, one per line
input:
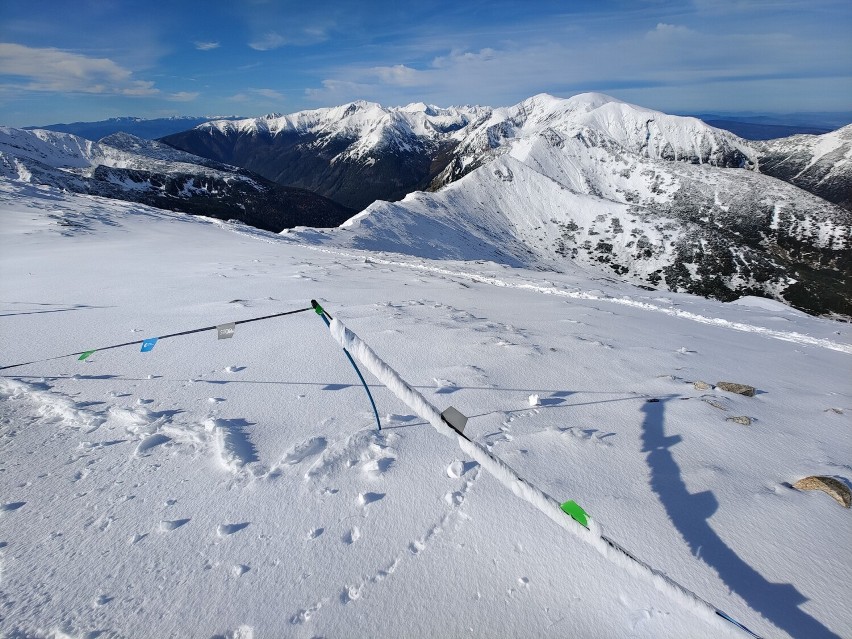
<point x="550" y="198"/>
<point x="643" y="132"/>
<point x="125" y="167"/>
<point x="821" y="164"/>
<point x="238" y="488"/>
<point x="354" y="153"/>
<point x="371" y="127"/>
<point x="394" y="151"/>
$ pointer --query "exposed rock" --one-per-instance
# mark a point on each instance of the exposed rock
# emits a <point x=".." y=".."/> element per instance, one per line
<point x="741" y="419"/>
<point x="829" y="485"/>
<point x="699" y="385"/>
<point x="740" y="389"/>
<point x="715" y="402"/>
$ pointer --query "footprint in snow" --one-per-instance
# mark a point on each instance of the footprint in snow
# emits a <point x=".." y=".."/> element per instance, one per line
<point x="229" y="529"/>
<point x="351" y="536"/>
<point x="170" y="525"/>
<point x="350" y="593"/>
<point x="239" y="570"/>
<point x="152" y="441"/>
<point x="309" y="448"/>
<point x="459" y="468"/>
<point x="378" y="467"/>
<point x="368" y="498"/>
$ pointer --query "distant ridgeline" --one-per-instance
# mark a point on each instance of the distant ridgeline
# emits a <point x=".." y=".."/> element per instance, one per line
<point x="645" y="197"/>
<point x="147" y="129"/>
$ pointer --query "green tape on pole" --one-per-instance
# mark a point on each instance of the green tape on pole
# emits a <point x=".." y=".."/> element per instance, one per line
<point x="85" y="355"/>
<point x="573" y="509"/>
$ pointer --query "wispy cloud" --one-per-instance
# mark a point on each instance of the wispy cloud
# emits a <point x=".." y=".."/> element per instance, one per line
<point x="252" y="95"/>
<point x="268" y="41"/>
<point x="271" y="94"/>
<point x="55" y="70"/>
<point x="206" y="46"/>
<point x="303" y="36"/>
<point x="183" y="96"/>
<point x="699" y="59"/>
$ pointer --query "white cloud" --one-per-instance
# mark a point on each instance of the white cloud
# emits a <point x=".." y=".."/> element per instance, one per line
<point x="251" y="95"/>
<point x="49" y="69"/>
<point x="397" y="75"/>
<point x="664" y="30"/>
<point x="462" y="57"/>
<point x="268" y="41"/>
<point x="272" y="94"/>
<point x="183" y="96"/>
<point x="206" y="46"/>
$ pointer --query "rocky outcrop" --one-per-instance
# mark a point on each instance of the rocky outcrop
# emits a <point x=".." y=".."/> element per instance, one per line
<point x="837" y="490"/>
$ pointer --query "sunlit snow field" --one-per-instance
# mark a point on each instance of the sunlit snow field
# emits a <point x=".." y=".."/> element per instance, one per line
<point x="240" y="488"/>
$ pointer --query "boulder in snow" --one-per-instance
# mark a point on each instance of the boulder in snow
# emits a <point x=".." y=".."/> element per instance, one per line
<point x="740" y="389"/>
<point x="699" y="385"/>
<point x="740" y="419"/>
<point x="829" y="485"/>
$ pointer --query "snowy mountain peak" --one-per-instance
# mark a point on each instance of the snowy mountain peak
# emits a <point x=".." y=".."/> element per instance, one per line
<point x="821" y="164"/>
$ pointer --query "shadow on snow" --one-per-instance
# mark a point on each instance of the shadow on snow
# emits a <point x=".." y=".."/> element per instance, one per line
<point x="690" y="512"/>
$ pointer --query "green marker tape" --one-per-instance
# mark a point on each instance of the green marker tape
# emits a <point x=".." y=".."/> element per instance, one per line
<point x="573" y="509"/>
<point x="84" y="355"/>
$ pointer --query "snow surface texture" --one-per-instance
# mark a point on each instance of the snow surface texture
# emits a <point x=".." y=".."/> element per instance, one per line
<point x="521" y="488"/>
<point x="239" y="488"/>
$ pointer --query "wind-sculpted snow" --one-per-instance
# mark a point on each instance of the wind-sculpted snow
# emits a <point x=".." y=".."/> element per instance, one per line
<point x="521" y="488"/>
<point x="239" y="487"/>
<point x="626" y="300"/>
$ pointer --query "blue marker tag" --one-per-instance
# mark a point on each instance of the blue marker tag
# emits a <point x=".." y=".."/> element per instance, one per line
<point x="149" y="344"/>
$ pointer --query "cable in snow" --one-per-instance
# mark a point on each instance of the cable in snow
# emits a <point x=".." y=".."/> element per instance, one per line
<point x="327" y="319"/>
<point x="590" y="532"/>
<point x="224" y="331"/>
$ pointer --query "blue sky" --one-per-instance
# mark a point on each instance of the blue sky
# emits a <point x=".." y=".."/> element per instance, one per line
<point x="63" y="61"/>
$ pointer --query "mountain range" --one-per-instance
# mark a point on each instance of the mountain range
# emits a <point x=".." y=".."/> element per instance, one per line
<point x="125" y="167"/>
<point x="635" y="194"/>
<point x="146" y="128"/>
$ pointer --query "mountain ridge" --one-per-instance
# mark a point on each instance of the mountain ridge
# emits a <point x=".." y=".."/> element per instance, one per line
<point x="125" y="167"/>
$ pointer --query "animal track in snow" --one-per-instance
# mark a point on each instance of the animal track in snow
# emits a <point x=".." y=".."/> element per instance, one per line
<point x="351" y="593"/>
<point x="305" y="614"/>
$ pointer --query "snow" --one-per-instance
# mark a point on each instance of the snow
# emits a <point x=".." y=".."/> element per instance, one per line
<point x="368" y="125"/>
<point x="239" y="487"/>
